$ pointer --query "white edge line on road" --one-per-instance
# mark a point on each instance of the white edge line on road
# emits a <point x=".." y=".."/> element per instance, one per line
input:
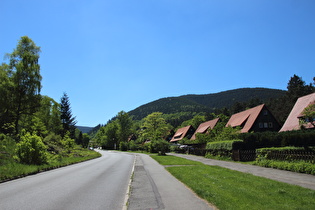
<point x="125" y="206"/>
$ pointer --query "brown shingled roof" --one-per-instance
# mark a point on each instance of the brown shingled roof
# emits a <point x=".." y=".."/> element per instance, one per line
<point x="203" y="127"/>
<point x="180" y="133"/>
<point x="292" y="122"/>
<point x="245" y="119"/>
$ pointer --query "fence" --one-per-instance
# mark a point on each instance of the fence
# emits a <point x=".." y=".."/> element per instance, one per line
<point x="251" y="155"/>
<point x="291" y="155"/>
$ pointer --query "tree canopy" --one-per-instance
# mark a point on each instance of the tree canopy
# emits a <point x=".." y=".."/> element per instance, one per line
<point x="20" y="84"/>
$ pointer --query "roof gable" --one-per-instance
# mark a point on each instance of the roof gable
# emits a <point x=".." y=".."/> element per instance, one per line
<point x="203" y="127"/>
<point x="292" y="122"/>
<point x="180" y="133"/>
<point x="245" y="119"/>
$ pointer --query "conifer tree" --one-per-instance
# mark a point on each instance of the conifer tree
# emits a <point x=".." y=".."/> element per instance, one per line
<point x="67" y="119"/>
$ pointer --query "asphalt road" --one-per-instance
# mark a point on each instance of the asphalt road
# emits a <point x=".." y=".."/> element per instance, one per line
<point x="96" y="184"/>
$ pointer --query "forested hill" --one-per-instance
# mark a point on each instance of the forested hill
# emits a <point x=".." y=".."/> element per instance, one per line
<point x="205" y="102"/>
<point x="84" y="129"/>
<point x="228" y="98"/>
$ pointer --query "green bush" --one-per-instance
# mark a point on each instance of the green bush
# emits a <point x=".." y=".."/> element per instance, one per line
<point x="295" y="166"/>
<point x="223" y="148"/>
<point x="284" y="153"/>
<point x="123" y="146"/>
<point x="67" y="144"/>
<point x="157" y="146"/>
<point x="54" y="143"/>
<point x="31" y="150"/>
<point x="7" y="149"/>
<point x="133" y="146"/>
<point x="160" y="146"/>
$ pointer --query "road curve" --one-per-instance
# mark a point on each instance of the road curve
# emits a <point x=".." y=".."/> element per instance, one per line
<point x="96" y="184"/>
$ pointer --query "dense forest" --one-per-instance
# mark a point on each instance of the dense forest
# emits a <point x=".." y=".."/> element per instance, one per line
<point x="208" y="103"/>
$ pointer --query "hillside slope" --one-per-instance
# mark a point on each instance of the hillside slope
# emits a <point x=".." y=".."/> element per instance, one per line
<point x="205" y="102"/>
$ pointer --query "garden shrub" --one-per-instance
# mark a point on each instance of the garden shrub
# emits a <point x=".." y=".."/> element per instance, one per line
<point x="67" y="143"/>
<point x="160" y="146"/>
<point x="295" y="166"/>
<point x="31" y="150"/>
<point x="223" y="148"/>
<point x="285" y="153"/>
<point x="286" y="158"/>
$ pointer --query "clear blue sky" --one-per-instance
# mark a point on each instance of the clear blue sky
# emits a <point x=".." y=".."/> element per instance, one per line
<point x="114" y="55"/>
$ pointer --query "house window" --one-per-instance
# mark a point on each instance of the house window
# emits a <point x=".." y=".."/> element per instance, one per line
<point x="261" y="125"/>
<point x="265" y="125"/>
<point x="265" y="112"/>
<point x="270" y="125"/>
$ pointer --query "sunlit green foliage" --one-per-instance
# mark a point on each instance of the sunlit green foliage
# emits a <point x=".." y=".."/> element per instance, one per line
<point x="124" y="125"/>
<point x="31" y="150"/>
<point x="154" y="127"/>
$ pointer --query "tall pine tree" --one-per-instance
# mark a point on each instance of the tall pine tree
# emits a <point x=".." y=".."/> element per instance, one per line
<point x="67" y="119"/>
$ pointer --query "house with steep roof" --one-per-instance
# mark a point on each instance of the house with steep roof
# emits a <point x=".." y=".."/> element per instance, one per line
<point x="293" y="120"/>
<point x="181" y="133"/>
<point x="203" y="127"/>
<point x="257" y="119"/>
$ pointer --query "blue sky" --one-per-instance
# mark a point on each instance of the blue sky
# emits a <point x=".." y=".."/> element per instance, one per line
<point x="114" y="55"/>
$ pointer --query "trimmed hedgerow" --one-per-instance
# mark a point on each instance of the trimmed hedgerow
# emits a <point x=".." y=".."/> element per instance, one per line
<point x="286" y="154"/>
<point x="295" y="159"/>
<point x="223" y="148"/>
<point x="295" y="166"/>
<point x="300" y="138"/>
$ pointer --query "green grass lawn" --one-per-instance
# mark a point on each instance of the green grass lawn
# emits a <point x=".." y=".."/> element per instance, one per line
<point x="228" y="189"/>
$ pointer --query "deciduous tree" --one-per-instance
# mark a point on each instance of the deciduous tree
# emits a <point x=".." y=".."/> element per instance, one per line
<point x="154" y="127"/>
<point x="26" y="79"/>
<point x="124" y="125"/>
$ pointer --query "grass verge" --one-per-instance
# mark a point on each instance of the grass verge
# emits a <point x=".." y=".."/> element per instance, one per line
<point x="228" y="189"/>
<point x="13" y="170"/>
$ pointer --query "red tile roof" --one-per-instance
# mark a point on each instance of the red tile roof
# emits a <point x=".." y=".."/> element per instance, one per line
<point x="246" y="118"/>
<point x="180" y="133"/>
<point x="292" y="122"/>
<point x="203" y="127"/>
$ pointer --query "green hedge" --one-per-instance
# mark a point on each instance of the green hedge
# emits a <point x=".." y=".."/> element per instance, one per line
<point x="296" y="166"/>
<point x="223" y="148"/>
<point x="286" y="154"/>
<point x="301" y="138"/>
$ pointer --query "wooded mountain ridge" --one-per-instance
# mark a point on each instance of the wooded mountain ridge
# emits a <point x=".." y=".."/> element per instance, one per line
<point x="196" y="103"/>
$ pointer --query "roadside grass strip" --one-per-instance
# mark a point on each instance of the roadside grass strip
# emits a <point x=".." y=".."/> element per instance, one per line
<point x="228" y="189"/>
<point x="173" y="160"/>
<point x="15" y="170"/>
